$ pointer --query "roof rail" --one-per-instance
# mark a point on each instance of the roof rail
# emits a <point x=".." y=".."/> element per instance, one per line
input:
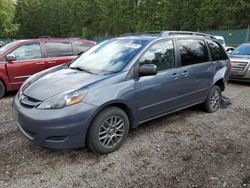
<point x="168" y="33"/>
<point x="45" y="37"/>
<point x="150" y="33"/>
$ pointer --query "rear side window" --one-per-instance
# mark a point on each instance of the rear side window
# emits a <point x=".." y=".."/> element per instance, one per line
<point x="217" y="52"/>
<point x="28" y="51"/>
<point x="82" y="46"/>
<point x="58" y="49"/>
<point x="161" y="54"/>
<point x="192" y="51"/>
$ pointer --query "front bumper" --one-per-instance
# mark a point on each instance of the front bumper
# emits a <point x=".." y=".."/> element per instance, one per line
<point x="240" y="70"/>
<point x="64" y="128"/>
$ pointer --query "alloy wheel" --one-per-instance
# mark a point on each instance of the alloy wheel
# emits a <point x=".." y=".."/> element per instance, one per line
<point x="111" y="131"/>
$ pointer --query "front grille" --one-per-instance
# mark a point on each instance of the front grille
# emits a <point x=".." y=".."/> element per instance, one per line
<point x="28" y="102"/>
<point x="238" y="66"/>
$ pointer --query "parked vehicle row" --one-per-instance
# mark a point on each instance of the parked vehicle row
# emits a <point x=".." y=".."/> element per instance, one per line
<point x="23" y="58"/>
<point x="118" y="85"/>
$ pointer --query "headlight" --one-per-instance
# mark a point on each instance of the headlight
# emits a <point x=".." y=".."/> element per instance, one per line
<point x="63" y="100"/>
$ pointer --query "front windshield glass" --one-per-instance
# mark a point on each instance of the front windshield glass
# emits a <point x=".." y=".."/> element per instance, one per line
<point x="109" y="56"/>
<point x="7" y="47"/>
<point x="220" y="41"/>
<point x="242" y="50"/>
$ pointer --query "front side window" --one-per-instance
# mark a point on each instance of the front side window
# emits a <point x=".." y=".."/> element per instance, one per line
<point x="161" y="54"/>
<point x="58" y="49"/>
<point x="217" y="52"/>
<point x="192" y="51"/>
<point x="28" y="51"/>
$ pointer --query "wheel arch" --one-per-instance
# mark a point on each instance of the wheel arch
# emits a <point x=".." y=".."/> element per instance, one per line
<point x="120" y="104"/>
<point x="220" y="83"/>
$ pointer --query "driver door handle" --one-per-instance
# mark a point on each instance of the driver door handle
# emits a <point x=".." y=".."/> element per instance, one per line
<point x="175" y="75"/>
<point x="40" y="63"/>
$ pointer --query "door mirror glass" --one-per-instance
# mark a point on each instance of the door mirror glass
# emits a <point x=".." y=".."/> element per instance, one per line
<point x="148" y="70"/>
<point x="11" y="57"/>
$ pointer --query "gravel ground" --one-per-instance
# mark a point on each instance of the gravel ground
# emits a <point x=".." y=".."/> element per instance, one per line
<point x="187" y="149"/>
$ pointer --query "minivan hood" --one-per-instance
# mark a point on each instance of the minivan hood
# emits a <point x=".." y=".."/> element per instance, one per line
<point x="60" y="81"/>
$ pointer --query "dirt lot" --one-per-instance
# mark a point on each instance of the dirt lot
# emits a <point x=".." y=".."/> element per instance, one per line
<point x="186" y="149"/>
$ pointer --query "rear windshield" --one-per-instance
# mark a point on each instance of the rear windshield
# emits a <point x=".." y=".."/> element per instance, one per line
<point x="242" y="50"/>
<point x="8" y="46"/>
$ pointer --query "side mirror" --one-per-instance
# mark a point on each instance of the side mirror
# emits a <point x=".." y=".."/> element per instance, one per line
<point x="148" y="70"/>
<point x="80" y="53"/>
<point x="11" y="57"/>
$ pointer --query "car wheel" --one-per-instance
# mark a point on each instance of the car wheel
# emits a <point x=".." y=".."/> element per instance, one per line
<point x="213" y="101"/>
<point x="2" y="89"/>
<point x="108" y="130"/>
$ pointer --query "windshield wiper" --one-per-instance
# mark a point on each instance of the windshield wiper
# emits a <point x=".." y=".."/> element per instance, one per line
<point x="82" y="69"/>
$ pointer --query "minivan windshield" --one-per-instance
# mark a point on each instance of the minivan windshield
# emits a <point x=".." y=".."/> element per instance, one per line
<point x="243" y="49"/>
<point x="7" y="47"/>
<point x="110" y="56"/>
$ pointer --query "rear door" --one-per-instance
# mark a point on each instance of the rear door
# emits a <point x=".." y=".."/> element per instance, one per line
<point x="58" y="53"/>
<point x="196" y="70"/>
<point x="29" y="60"/>
<point x="158" y="94"/>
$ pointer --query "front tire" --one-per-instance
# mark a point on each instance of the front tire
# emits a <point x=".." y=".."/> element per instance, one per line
<point x="2" y="89"/>
<point x="108" y="131"/>
<point x="213" y="101"/>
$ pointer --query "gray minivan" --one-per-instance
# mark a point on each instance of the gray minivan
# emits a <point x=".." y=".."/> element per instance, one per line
<point x="119" y="84"/>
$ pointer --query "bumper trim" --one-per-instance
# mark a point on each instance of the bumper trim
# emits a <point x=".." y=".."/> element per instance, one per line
<point x="24" y="132"/>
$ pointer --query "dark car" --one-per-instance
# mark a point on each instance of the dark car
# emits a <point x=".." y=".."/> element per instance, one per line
<point x="119" y="84"/>
<point x="240" y="62"/>
<point x="23" y="58"/>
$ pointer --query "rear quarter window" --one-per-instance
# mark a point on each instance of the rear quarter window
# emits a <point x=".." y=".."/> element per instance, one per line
<point x="217" y="51"/>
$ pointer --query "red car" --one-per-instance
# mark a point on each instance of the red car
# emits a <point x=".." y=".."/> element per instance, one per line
<point x="23" y="58"/>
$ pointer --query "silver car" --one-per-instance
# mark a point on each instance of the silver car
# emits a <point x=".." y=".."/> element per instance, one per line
<point x="240" y="63"/>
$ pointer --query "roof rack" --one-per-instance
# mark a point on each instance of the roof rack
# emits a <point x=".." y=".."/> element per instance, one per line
<point x="45" y="37"/>
<point x="49" y="37"/>
<point x="150" y="33"/>
<point x="168" y="33"/>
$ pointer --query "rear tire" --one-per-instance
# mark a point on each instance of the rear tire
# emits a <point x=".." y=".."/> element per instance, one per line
<point x="2" y="89"/>
<point x="108" y="131"/>
<point x="213" y="101"/>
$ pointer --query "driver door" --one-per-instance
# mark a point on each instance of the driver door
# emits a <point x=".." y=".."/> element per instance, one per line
<point x="158" y="94"/>
<point x="28" y="62"/>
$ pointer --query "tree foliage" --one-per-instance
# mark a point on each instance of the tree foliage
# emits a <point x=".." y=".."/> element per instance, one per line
<point x="71" y="18"/>
<point x="7" y="13"/>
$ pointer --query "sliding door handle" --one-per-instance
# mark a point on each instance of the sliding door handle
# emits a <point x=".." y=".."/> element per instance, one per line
<point x="184" y="73"/>
<point x="51" y="62"/>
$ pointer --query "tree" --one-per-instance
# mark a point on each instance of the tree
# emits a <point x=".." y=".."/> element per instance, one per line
<point x="7" y="13"/>
<point x="88" y="18"/>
